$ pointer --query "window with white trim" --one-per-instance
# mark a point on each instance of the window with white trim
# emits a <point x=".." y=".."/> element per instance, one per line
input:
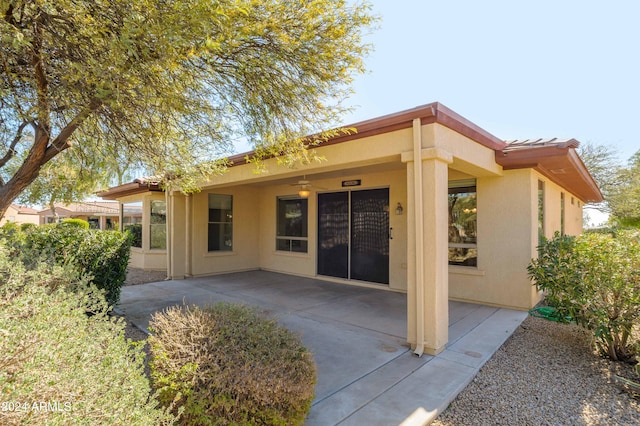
<point x="292" y="224"/>
<point x="463" y="223"/>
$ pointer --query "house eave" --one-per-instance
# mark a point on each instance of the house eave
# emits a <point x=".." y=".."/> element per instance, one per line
<point x="430" y="113"/>
<point x="559" y="163"/>
<point x="131" y="188"/>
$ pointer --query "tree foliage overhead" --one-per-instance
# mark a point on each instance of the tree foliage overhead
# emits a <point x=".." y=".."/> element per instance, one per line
<point x="170" y="83"/>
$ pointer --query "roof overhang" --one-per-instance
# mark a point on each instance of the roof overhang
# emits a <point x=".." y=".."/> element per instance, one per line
<point x="138" y="186"/>
<point x="556" y="160"/>
<point x="430" y="113"/>
<point x="560" y="163"/>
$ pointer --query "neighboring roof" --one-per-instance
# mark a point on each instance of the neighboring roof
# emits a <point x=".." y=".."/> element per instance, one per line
<point x="556" y="159"/>
<point x="138" y="186"/>
<point x="24" y="209"/>
<point x="86" y="208"/>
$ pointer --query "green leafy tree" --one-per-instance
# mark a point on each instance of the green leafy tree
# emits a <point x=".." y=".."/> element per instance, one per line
<point x="170" y="84"/>
<point x="624" y="197"/>
<point x="603" y="163"/>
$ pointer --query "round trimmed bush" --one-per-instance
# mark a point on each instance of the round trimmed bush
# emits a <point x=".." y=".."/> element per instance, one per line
<point x="227" y="364"/>
<point x="79" y="223"/>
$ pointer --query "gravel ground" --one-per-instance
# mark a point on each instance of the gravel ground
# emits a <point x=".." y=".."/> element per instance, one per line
<point x="545" y="374"/>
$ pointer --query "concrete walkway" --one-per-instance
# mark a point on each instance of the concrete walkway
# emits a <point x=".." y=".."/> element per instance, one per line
<point x="366" y="372"/>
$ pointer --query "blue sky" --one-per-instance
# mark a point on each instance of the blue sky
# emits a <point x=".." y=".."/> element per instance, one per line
<point x="518" y="69"/>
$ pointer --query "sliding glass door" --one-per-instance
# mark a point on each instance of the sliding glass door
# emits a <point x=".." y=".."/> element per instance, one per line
<point x="353" y="235"/>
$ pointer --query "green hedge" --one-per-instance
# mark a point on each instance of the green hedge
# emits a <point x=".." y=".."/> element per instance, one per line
<point x="102" y="255"/>
<point x="227" y="365"/>
<point x="60" y="366"/>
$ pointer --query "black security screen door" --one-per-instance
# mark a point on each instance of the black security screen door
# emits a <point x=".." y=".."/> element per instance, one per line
<point x="353" y="235"/>
<point x="333" y="234"/>
<point x="370" y="235"/>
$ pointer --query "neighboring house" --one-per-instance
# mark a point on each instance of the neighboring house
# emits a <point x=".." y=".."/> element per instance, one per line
<point x="100" y="214"/>
<point x="20" y="214"/>
<point x="422" y="201"/>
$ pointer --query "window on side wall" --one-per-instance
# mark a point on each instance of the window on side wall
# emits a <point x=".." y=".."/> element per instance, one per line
<point x="463" y="223"/>
<point x="291" y="231"/>
<point x="158" y="226"/>
<point x="220" y="232"/>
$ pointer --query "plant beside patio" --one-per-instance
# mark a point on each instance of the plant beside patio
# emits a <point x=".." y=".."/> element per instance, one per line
<point x="227" y="364"/>
<point x="594" y="280"/>
<point x="101" y="255"/>
<point x="59" y="366"/>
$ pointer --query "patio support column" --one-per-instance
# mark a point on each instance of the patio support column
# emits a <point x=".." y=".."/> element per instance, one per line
<point x="120" y="216"/>
<point x="188" y="235"/>
<point x="427" y="260"/>
<point x="177" y="235"/>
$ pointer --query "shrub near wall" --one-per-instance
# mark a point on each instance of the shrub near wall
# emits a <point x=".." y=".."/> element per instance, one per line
<point x="59" y="366"/>
<point x="227" y="365"/>
<point x="103" y="255"/>
<point x="594" y="279"/>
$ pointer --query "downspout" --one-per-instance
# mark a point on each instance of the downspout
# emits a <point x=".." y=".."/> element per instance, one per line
<point x="418" y="215"/>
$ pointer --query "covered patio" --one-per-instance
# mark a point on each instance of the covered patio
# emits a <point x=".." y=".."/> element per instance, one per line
<point x="367" y="373"/>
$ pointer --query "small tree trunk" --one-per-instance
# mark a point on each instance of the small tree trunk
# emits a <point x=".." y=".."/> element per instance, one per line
<point x="27" y="173"/>
<point x="52" y="206"/>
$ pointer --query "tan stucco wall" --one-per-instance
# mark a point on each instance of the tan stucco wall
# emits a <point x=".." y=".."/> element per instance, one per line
<point x="12" y="215"/>
<point x="504" y="244"/>
<point x="246" y="232"/>
<point x="573" y="212"/>
<point x="305" y="264"/>
<point x="468" y="156"/>
<point x="508" y="237"/>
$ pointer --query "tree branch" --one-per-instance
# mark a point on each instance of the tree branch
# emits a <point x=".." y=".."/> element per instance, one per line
<point x="61" y="142"/>
<point x="12" y="148"/>
<point x="42" y="83"/>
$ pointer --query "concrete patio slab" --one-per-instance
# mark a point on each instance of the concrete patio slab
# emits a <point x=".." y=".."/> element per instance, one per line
<point x="366" y="372"/>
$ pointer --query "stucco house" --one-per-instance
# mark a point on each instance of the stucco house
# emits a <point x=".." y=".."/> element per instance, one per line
<point x="100" y="214"/>
<point x="422" y="201"/>
<point x="20" y="214"/>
